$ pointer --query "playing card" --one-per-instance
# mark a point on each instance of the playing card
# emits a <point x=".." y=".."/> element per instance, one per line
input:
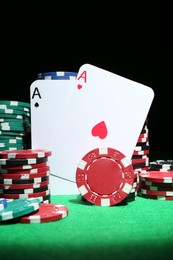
<point x="104" y="110"/>
<point x="48" y="99"/>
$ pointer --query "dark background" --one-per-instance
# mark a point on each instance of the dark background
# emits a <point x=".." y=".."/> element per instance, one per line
<point x="134" y="41"/>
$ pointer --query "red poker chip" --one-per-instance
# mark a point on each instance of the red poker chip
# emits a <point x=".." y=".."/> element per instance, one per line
<point x="155" y="197"/>
<point x="143" y="139"/>
<point x="157" y="176"/>
<point x="18" y="171"/>
<point x="143" y="135"/>
<point x="24" y="176"/>
<point x="156" y="192"/>
<point x="104" y="176"/>
<point x="25" y="153"/>
<point x="141" y="152"/>
<point x="24" y="186"/>
<point x="141" y="160"/>
<point x="46" y="213"/>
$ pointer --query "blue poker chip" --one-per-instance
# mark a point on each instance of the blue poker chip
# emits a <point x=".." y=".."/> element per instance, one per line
<point x="61" y="75"/>
<point x="3" y="203"/>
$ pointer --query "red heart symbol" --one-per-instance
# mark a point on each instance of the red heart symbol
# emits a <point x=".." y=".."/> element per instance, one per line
<point x="100" y="130"/>
<point x="79" y="86"/>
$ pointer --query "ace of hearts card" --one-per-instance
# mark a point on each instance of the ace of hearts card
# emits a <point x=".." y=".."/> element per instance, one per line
<point x="104" y="110"/>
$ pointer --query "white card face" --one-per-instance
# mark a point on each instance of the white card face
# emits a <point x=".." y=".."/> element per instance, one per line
<point x="104" y="110"/>
<point x="48" y="99"/>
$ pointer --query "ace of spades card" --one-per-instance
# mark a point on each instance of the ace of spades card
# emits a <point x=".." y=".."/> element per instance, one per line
<point x="48" y="99"/>
<point x="104" y="110"/>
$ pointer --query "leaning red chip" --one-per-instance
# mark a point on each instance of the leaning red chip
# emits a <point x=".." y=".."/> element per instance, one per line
<point x="104" y="176"/>
<point x="25" y="153"/>
<point x="46" y="213"/>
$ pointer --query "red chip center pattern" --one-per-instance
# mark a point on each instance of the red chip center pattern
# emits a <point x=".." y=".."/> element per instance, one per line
<point x="104" y="176"/>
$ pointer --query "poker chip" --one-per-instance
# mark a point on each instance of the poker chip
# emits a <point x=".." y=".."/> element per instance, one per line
<point x="142" y="140"/>
<point x="27" y="153"/>
<point x="140" y="165"/>
<point x="14" y="112"/>
<point x="140" y="160"/>
<point x="24" y="186"/>
<point x="10" y="141"/>
<point x="138" y="157"/>
<point x="11" y="133"/>
<point x="157" y="176"/>
<point x="161" y="165"/>
<point x="22" y="108"/>
<point x="158" y="184"/>
<point x="18" y="208"/>
<point x="155" y="197"/>
<point x="22" y="161"/>
<point x="23" y="181"/>
<point x="155" y="187"/>
<point x="156" y="192"/>
<point x="57" y="75"/>
<point x="104" y="176"/>
<point x="46" y="213"/>
<point x="9" y="168"/>
<point x="14" y="103"/>
<point x="23" y="190"/>
<point x="141" y="152"/>
<point x="3" y="203"/>
<point x="26" y="195"/>
<point x="23" y="175"/>
<point x="142" y="147"/>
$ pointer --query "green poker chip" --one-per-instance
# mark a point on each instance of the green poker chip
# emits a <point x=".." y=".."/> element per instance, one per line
<point x="15" y="120"/>
<point x="10" y="141"/>
<point x="19" y="207"/>
<point x="11" y="133"/>
<point x="12" y="128"/>
<point x="11" y="146"/>
<point x="4" y="106"/>
<point x="15" y="103"/>
<point x="12" y="116"/>
<point x="14" y="112"/>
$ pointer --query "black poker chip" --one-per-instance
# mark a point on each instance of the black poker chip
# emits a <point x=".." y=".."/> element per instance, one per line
<point x="22" y="161"/>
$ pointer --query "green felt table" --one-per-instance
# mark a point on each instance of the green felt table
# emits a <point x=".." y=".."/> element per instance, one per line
<point x="142" y="229"/>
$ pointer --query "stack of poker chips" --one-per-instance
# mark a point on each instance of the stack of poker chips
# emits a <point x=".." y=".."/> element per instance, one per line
<point x="15" y="126"/>
<point x="57" y="75"/>
<point x="25" y="174"/>
<point x="140" y="157"/>
<point x="155" y="184"/>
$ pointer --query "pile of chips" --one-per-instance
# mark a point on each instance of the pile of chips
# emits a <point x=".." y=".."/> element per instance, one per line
<point x="25" y="174"/>
<point x="140" y="157"/>
<point x="157" y="182"/>
<point x="15" y="126"/>
<point x="32" y="211"/>
<point x="24" y="187"/>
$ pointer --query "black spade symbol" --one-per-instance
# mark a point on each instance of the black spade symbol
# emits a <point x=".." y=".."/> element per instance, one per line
<point x="36" y="104"/>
